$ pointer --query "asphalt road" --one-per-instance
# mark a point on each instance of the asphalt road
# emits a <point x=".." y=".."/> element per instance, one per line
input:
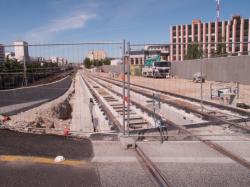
<point x="22" y="99"/>
<point x="28" y="160"/>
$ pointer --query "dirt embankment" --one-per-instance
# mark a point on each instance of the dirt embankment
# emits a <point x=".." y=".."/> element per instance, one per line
<point x="54" y="115"/>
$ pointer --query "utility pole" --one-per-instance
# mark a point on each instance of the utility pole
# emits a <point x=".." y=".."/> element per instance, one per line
<point x="123" y="87"/>
<point x="24" y="66"/>
<point x="128" y="87"/>
<point x="201" y="82"/>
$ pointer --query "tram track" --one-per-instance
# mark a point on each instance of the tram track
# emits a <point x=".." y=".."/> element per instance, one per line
<point x="217" y="116"/>
<point x="240" y="160"/>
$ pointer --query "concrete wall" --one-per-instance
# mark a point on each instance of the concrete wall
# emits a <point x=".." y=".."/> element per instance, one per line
<point x="226" y="69"/>
<point x="112" y="68"/>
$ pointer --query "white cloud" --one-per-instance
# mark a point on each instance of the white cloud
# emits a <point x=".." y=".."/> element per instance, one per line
<point x="69" y="23"/>
<point x="76" y="21"/>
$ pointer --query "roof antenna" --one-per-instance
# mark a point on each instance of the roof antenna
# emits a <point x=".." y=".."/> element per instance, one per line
<point x="218" y="10"/>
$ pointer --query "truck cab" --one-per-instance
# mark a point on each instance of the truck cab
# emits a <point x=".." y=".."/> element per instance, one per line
<point x="156" y="68"/>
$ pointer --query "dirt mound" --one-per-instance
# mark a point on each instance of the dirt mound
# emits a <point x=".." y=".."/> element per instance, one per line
<point x="52" y="115"/>
<point x="62" y="110"/>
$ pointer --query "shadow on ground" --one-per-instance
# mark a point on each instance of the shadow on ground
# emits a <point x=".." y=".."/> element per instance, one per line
<point x="16" y="143"/>
<point x="37" y="174"/>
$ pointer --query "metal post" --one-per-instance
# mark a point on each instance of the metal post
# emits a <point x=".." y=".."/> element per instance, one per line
<point x="24" y="67"/>
<point x="154" y="107"/>
<point x="123" y="87"/>
<point x="238" y="90"/>
<point x="128" y="87"/>
<point x="201" y="82"/>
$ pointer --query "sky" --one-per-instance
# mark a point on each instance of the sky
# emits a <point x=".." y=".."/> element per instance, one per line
<point x="138" y="21"/>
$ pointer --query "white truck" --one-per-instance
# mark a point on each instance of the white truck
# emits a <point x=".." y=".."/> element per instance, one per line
<point x="154" y="67"/>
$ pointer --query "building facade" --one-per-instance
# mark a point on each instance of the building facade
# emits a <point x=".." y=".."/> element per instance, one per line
<point x="138" y="57"/>
<point x="234" y="33"/>
<point x="2" y="54"/>
<point x="97" y="55"/>
<point x="21" y="51"/>
<point x="10" y="55"/>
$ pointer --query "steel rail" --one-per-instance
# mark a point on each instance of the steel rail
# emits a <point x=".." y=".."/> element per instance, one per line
<point x="111" y="117"/>
<point x="145" y="161"/>
<point x="223" y="107"/>
<point x="186" y="108"/>
<point x="152" y="168"/>
<point x="209" y="143"/>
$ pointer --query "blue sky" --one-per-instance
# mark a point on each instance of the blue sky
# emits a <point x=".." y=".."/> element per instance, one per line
<point x="140" y="21"/>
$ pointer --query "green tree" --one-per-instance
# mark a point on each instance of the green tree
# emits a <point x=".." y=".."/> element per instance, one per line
<point x="87" y="63"/>
<point x="194" y="51"/>
<point x="98" y="62"/>
<point x="11" y="65"/>
<point x="221" y="48"/>
<point x="106" y="61"/>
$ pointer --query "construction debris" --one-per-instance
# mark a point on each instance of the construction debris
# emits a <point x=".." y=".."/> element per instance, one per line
<point x="52" y="115"/>
<point x="4" y="118"/>
<point x="62" y="110"/>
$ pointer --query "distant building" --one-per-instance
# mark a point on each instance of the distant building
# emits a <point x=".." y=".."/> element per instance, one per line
<point x="233" y="32"/>
<point x="138" y="57"/>
<point x="62" y="61"/>
<point x="21" y="51"/>
<point x="54" y="59"/>
<point x="115" y="62"/>
<point x="2" y="54"/>
<point x="10" y="55"/>
<point x="37" y="59"/>
<point x="97" y="55"/>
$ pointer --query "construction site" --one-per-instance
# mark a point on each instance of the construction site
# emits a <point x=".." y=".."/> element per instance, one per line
<point x="106" y="126"/>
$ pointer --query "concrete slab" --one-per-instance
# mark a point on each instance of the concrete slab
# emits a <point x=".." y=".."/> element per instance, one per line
<point x="195" y="164"/>
<point x="117" y="166"/>
<point x="241" y="148"/>
<point x="81" y="116"/>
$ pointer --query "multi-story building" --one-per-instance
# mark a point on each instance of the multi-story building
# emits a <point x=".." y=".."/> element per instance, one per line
<point x="97" y="55"/>
<point x="21" y="51"/>
<point x="10" y="55"/>
<point x="54" y="59"/>
<point x="2" y="54"/>
<point x="62" y="61"/>
<point x="234" y="32"/>
<point x="138" y="57"/>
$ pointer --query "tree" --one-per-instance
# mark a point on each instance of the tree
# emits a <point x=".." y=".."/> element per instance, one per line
<point x="106" y="61"/>
<point x="221" y="48"/>
<point x="87" y="63"/>
<point x="194" y="51"/>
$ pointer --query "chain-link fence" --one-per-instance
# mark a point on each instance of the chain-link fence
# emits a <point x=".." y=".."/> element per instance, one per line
<point x="218" y="76"/>
<point x="28" y="64"/>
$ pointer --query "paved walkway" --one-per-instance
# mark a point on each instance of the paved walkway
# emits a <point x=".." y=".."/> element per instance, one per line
<point x="81" y="117"/>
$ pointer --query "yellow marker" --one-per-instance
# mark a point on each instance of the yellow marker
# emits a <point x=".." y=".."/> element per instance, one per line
<point x="40" y="160"/>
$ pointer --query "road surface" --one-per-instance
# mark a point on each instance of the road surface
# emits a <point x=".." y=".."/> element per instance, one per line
<point x="19" y="100"/>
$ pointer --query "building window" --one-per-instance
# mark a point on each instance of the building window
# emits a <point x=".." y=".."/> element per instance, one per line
<point x="132" y="60"/>
<point x="136" y="61"/>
